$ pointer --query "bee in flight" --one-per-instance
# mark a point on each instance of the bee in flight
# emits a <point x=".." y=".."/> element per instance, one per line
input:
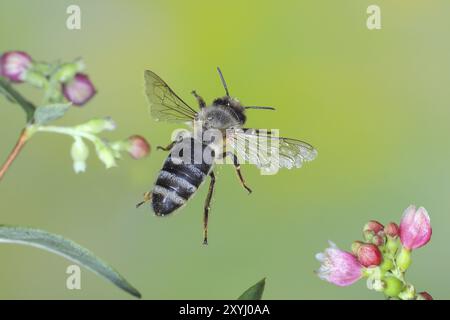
<point x="180" y="179"/>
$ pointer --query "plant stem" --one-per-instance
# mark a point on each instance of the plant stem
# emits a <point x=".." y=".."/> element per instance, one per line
<point x="15" y="152"/>
<point x="68" y="131"/>
<point x="32" y="129"/>
<point x="16" y="97"/>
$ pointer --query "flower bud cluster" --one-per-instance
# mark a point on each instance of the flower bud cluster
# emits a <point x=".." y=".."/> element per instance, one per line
<point x="382" y="258"/>
<point x="59" y="81"/>
<point x="108" y="152"/>
<point x="66" y="81"/>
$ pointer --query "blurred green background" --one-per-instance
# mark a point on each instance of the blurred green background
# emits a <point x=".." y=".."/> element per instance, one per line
<point x="374" y="103"/>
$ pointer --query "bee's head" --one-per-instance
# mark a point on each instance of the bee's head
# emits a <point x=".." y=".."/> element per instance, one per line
<point x="232" y="104"/>
<point x="227" y="101"/>
<point x="225" y="112"/>
<point x="228" y="111"/>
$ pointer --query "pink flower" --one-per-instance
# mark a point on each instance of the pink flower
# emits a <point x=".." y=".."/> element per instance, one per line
<point x="415" y="228"/>
<point x="338" y="267"/>
<point x="373" y="226"/>
<point x="138" y="147"/>
<point x="14" y="64"/>
<point x="355" y="247"/>
<point x="391" y="230"/>
<point x="369" y="255"/>
<point x="378" y="240"/>
<point x="80" y="90"/>
<point x="373" y="229"/>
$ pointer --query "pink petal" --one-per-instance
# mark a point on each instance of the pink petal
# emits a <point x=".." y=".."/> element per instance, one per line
<point x="14" y="64"/>
<point x="338" y="267"/>
<point x="80" y="90"/>
<point x="415" y="228"/>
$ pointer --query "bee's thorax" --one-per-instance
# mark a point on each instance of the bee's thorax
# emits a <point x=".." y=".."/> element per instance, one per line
<point x="224" y="113"/>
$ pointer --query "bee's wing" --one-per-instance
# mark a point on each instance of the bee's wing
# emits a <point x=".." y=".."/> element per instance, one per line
<point x="268" y="151"/>
<point x="165" y="105"/>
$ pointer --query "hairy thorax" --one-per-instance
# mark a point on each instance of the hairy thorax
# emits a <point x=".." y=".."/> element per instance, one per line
<point x="221" y="117"/>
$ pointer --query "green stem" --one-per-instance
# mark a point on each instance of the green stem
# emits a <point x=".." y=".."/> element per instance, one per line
<point x="67" y="131"/>
<point x="14" y="96"/>
<point x="104" y="151"/>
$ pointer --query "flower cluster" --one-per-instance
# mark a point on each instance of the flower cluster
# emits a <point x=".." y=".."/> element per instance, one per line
<point x="108" y="152"/>
<point x="382" y="258"/>
<point x="57" y="79"/>
<point x="64" y="85"/>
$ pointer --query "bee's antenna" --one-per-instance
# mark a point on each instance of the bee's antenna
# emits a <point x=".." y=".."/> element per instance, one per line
<point x="258" y="107"/>
<point x="223" y="81"/>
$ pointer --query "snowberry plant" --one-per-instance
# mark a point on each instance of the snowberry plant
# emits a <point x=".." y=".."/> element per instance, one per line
<point x="64" y="85"/>
<point x="382" y="258"/>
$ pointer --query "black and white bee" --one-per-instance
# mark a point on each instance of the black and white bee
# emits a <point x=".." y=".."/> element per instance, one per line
<point x="179" y="180"/>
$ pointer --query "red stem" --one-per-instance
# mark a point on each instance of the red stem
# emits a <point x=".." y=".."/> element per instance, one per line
<point x="14" y="153"/>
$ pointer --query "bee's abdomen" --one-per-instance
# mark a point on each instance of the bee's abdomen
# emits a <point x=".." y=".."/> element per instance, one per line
<point x="176" y="183"/>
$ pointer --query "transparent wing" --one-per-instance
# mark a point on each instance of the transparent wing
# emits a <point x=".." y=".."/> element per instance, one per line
<point x="267" y="150"/>
<point x="165" y="105"/>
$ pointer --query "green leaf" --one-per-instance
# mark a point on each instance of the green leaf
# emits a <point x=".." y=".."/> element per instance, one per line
<point x="14" y="96"/>
<point x="66" y="248"/>
<point x="7" y="94"/>
<point x="50" y="112"/>
<point x="255" y="292"/>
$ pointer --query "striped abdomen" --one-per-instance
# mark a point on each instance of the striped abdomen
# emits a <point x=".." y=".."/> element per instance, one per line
<point x="177" y="182"/>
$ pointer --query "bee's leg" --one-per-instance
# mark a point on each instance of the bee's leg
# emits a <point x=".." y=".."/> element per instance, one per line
<point x="201" y="101"/>
<point x="237" y="166"/>
<point x="207" y="207"/>
<point x="147" y="198"/>
<point x="167" y="148"/>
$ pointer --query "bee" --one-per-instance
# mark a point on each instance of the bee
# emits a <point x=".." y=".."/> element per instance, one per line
<point x="178" y="180"/>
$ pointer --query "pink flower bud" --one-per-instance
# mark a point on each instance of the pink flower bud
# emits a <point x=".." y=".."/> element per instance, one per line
<point x="424" y="296"/>
<point x="368" y="235"/>
<point x="373" y="226"/>
<point x="378" y="240"/>
<point x="14" y="64"/>
<point x="415" y="228"/>
<point x="79" y="90"/>
<point x="355" y="247"/>
<point x="369" y="255"/>
<point x="338" y="267"/>
<point x="392" y="230"/>
<point x="138" y="147"/>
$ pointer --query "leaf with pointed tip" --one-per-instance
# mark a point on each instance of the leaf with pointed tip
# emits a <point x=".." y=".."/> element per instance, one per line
<point x="50" y="112"/>
<point x="66" y="248"/>
<point x="14" y="96"/>
<point x="255" y="292"/>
